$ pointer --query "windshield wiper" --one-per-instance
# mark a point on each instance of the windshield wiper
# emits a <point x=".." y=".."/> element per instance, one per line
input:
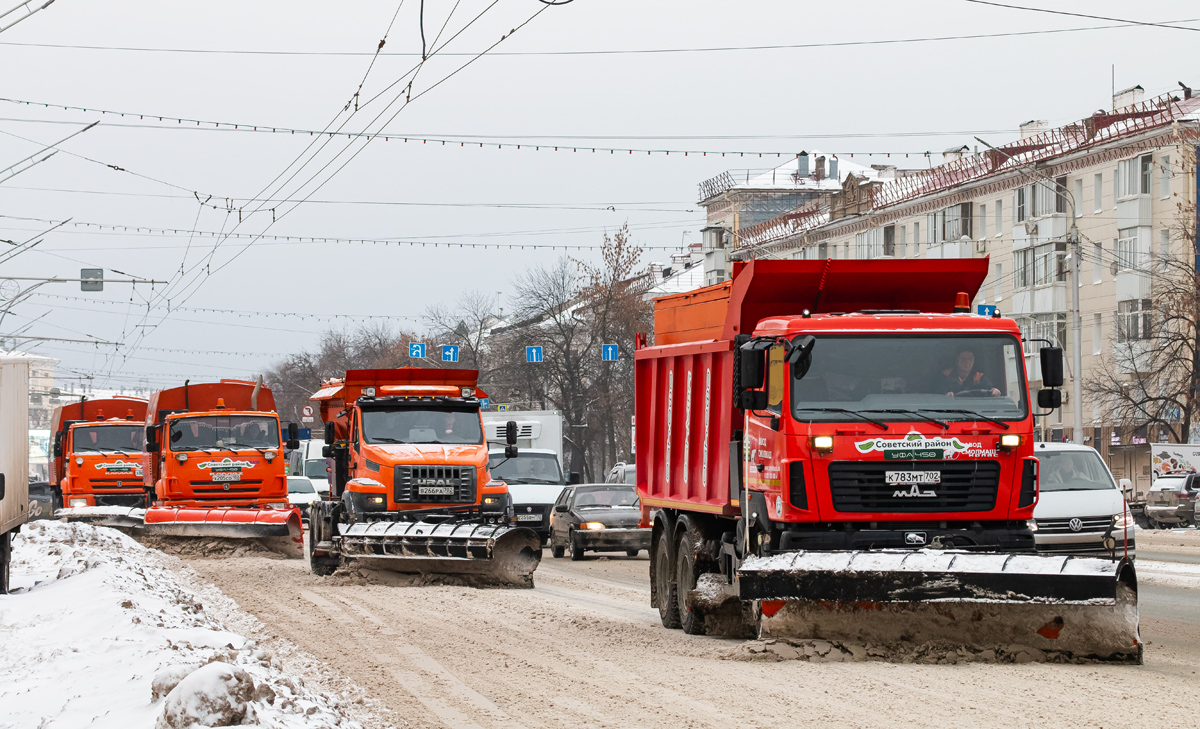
<point x="872" y="421"/>
<point x="245" y="445"/>
<point x="177" y="449"/>
<point x="384" y="439"/>
<point x="1001" y="423"/>
<point x="901" y="411"/>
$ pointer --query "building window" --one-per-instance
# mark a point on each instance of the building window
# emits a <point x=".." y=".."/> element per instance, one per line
<point x="868" y="244"/>
<point x="846" y="249"/>
<point x="1021" y="208"/>
<point x="1040" y="265"/>
<point x="1164" y="249"/>
<point x="1022" y="268"/>
<point x="833" y="251"/>
<point x="1078" y="195"/>
<point x="1125" y="250"/>
<point x="1098" y="192"/>
<point x="1060" y="195"/>
<point x="1097" y="262"/>
<point x="999" y="206"/>
<point x="955" y="222"/>
<point x="1133" y="177"/>
<point x="902" y="241"/>
<point x="982" y="222"/>
<point x="823" y="251"/>
<point x="889" y="240"/>
<point x="1164" y="177"/>
<point x="1134" y="319"/>
<point x="1097" y="334"/>
<point x="1051" y="327"/>
<point x="916" y="239"/>
<point x="998" y="282"/>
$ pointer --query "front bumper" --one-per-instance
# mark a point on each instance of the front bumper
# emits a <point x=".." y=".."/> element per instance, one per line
<point x="1176" y="514"/>
<point x="1098" y="544"/>
<point x="601" y="540"/>
<point x="975" y="536"/>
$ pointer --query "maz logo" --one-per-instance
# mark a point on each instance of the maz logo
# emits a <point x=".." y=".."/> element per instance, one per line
<point x="915" y="493"/>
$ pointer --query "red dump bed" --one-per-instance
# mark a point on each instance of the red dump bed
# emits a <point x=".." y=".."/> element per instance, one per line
<point x="685" y="417"/>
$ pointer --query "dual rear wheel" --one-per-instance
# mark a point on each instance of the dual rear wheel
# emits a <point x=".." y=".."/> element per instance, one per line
<point x="674" y="579"/>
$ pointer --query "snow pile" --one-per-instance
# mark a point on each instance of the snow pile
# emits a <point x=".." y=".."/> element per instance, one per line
<point x="1168" y="574"/>
<point x="831" y="651"/>
<point x="100" y="632"/>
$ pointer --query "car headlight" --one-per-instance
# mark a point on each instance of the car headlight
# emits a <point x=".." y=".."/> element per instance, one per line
<point x="1032" y="524"/>
<point x="1125" y="521"/>
<point x="592" y="525"/>
<point x="78" y="502"/>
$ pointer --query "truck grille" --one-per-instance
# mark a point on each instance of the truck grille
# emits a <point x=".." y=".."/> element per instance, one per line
<point x="1063" y="526"/>
<point x="130" y="482"/>
<point x="861" y="486"/>
<point x="457" y="484"/>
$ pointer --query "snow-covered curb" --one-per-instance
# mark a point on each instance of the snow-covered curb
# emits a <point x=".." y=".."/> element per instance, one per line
<point x="96" y="618"/>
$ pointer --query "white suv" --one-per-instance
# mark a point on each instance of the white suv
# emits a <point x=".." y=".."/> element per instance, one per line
<point x="1080" y="509"/>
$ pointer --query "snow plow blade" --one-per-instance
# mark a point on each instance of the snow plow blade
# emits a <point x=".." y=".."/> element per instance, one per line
<point x="1081" y="607"/>
<point x="277" y="529"/>
<point x="118" y="517"/>
<point x="498" y="554"/>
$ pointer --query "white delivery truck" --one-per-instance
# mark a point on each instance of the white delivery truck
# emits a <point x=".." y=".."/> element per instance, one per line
<point x="308" y="461"/>
<point x="14" y="456"/>
<point x="535" y="476"/>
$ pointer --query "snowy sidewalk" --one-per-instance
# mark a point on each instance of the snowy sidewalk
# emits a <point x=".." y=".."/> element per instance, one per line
<point x="95" y="617"/>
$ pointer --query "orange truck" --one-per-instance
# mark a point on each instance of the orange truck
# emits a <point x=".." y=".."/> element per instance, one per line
<point x="96" y="462"/>
<point x="214" y="465"/>
<point x="411" y="490"/>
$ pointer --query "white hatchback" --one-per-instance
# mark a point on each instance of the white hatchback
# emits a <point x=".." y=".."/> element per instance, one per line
<point x="301" y="491"/>
<point x="1080" y="509"/>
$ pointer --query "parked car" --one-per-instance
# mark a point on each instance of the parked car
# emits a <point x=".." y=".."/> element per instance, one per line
<point x="622" y="473"/>
<point x="1172" y="500"/>
<point x="597" y="518"/>
<point x="43" y="500"/>
<point x="301" y="492"/>
<point x="534" y="480"/>
<point x="1080" y="509"/>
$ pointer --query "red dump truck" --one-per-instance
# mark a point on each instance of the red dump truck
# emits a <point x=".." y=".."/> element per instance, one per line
<point x="841" y="450"/>
<point x="214" y="466"/>
<point x="96" y="459"/>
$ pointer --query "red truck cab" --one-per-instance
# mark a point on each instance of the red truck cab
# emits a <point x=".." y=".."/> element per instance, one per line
<point x="97" y="452"/>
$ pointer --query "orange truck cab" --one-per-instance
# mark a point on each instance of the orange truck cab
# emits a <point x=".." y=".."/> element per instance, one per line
<point x="97" y="452"/>
<point x="214" y="463"/>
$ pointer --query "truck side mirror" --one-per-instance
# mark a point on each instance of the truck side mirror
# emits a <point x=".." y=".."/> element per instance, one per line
<point x="330" y="436"/>
<point x="751" y="366"/>
<point x="573" y="478"/>
<point x="510" y="432"/>
<point x="1052" y="367"/>
<point x="293" y="439"/>
<point x="152" y="437"/>
<point x="58" y="440"/>
<point x="800" y="356"/>
<point x="1049" y="399"/>
<point x="1127" y="487"/>
<point x="326" y="452"/>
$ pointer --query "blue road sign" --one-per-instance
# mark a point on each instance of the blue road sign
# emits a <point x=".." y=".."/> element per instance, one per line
<point x="416" y="350"/>
<point x="484" y="402"/>
<point x="533" y="354"/>
<point x="449" y="353"/>
<point x="986" y="310"/>
<point x="609" y="352"/>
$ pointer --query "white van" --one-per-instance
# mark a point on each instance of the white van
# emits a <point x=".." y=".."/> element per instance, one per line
<point x="1080" y="509"/>
<point x="307" y="461"/>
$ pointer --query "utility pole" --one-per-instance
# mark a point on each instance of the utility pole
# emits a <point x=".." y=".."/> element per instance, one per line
<point x="1076" y="317"/>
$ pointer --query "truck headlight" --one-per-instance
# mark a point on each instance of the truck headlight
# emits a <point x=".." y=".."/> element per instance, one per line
<point x="279" y="506"/>
<point x="491" y="500"/>
<point x="78" y="502"/>
<point x="181" y="457"/>
<point x="375" y="500"/>
<point x="269" y="455"/>
<point x="592" y="525"/>
<point x="822" y="442"/>
<point x="1010" y="440"/>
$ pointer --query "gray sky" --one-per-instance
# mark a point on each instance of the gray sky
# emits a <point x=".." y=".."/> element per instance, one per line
<point x="905" y="97"/>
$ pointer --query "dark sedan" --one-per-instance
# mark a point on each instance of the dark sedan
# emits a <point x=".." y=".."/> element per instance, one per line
<point x="597" y="518"/>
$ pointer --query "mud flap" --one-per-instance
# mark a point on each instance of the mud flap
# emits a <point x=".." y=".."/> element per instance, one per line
<point x="498" y="554"/>
<point x="1084" y="607"/>
<point x="125" y="518"/>
<point x="279" y="530"/>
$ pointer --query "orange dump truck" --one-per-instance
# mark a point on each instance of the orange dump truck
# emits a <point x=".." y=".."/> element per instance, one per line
<point x="96" y="462"/>
<point x="411" y="490"/>
<point x="214" y="465"/>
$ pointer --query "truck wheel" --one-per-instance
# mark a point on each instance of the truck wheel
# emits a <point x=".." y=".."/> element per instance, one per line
<point x="691" y="621"/>
<point x="576" y="548"/>
<point x="664" y="577"/>
<point x="320" y="524"/>
<point x="631" y="552"/>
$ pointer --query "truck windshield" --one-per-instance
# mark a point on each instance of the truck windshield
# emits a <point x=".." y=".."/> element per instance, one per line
<point x="911" y="378"/>
<point x="208" y="432"/>
<point x="119" y="438"/>
<point x="422" y="425"/>
<point x="526" y="468"/>
<point x="315" y="468"/>
<point x="1072" y="471"/>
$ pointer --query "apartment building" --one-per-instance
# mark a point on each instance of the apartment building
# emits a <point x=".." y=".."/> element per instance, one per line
<point x="1122" y="174"/>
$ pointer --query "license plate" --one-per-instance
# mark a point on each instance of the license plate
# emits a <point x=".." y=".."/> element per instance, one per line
<point x="898" y="478"/>
<point x="227" y="476"/>
<point x="529" y="517"/>
<point x="435" y="490"/>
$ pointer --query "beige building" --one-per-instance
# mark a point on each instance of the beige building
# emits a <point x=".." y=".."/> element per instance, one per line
<point x="1125" y="175"/>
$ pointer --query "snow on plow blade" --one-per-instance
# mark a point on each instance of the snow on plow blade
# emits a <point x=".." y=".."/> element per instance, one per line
<point x="118" y="517"/>
<point x="1080" y="606"/>
<point x="277" y="529"/>
<point x="500" y="554"/>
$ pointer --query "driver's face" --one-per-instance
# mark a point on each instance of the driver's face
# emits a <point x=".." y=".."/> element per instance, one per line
<point x="966" y="360"/>
<point x="448" y="422"/>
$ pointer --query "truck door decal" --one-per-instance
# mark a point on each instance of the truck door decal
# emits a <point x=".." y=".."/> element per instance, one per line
<point x="707" y="411"/>
<point x="687" y="428"/>
<point x="670" y="410"/>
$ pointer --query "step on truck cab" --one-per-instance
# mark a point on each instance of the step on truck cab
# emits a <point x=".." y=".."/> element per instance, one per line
<point x="214" y="465"/>
<point x="840" y="449"/>
<point x="410" y="488"/>
<point x="96" y="459"/>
